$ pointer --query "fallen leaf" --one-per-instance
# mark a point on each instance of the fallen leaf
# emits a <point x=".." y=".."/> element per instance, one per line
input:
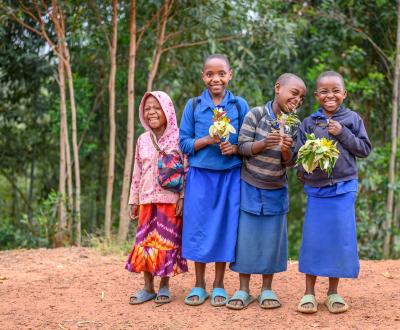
<point x="2" y="278"/>
<point x="387" y="275"/>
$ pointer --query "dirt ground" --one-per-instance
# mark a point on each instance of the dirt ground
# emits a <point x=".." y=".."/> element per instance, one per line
<point x="78" y="288"/>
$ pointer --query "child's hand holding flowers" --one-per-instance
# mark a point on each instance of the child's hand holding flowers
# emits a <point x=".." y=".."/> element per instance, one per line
<point x="220" y="130"/>
<point x="334" y="127"/>
<point x="228" y="149"/>
<point x="272" y="140"/>
<point x="286" y="143"/>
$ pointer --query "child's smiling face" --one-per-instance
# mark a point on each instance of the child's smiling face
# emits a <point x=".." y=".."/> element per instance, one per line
<point x="154" y="114"/>
<point x="216" y="75"/>
<point x="290" y="94"/>
<point x="330" y="93"/>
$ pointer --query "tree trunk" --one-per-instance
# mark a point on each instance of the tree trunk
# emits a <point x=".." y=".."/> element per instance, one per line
<point x="160" y="42"/>
<point x="62" y="219"/>
<point x="111" y="115"/>
<point x="392" y="162"/>
<point x="124" y="207"/>
<point x="59" y="25"/>
<point x="31" y="183"/>
<point x="74" y="147"/>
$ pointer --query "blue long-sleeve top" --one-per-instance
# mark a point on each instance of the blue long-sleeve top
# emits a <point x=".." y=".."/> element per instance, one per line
<point x="195" y="124"/>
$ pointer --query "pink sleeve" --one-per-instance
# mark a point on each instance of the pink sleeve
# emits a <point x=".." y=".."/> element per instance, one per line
<point x="136" y="174"/>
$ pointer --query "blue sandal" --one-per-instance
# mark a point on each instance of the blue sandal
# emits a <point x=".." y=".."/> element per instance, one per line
<point x="196" y="292"/>
<point x="242" y="296"/>
<point x="140" y="297"/>
<point x="218" y="292"/>
<point x="163" y="292"/>
<point x="268" y="295"/>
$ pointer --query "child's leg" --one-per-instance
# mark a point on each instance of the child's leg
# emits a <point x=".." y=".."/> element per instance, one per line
<point x="164" y="283"/>
<point x="148" y="282"/>
<point x="244" y="286"/>
<point x="219" y="279"/>
<point x="333" y="286"/>
<point x="310" y="288"/>
<point x="200" y="270"/>
<point x="148" y="285"/>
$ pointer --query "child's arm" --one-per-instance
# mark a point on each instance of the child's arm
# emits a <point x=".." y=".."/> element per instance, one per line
<point x="356" y="143"/>
<point x="136" y="174"/>
<point x="247" y="146"/>
<point x="187" y="142"/>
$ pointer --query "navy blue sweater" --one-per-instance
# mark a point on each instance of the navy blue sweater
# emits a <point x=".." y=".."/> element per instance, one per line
<point x="353" y="142"/>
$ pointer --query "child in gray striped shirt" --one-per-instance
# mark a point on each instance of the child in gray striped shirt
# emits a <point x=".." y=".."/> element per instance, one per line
<point x="261" y="246"/>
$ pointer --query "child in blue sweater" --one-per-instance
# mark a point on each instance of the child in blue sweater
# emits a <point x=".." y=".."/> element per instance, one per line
<point x="329" y="241"/>
<point x="212" y="193"/>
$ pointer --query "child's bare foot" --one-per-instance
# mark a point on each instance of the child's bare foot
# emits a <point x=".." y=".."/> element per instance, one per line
<point x="271" y="304"/>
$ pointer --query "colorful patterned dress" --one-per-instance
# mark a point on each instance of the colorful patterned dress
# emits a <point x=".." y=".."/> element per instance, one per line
<point x="158" y="244"/>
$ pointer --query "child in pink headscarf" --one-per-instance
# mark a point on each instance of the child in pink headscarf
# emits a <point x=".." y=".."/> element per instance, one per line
<point x="158" y="246"/>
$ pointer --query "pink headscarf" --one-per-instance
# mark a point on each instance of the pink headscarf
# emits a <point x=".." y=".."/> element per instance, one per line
<point x="170" y="139"/>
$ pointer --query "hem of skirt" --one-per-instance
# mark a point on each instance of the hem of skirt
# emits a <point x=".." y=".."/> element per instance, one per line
<point x="329" y="275"/>
<point x="131" y="269"/>
<point x="269" y="272"/>
<point x="207" y="260"/>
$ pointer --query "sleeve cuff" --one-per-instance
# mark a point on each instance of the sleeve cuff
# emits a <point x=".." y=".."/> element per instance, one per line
<point x="245" y="149"/>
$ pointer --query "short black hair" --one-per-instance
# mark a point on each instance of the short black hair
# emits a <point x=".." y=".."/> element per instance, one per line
<point x="284" y="78"/>
<point x="218" y="56"/>
<point x="330" y="74"/>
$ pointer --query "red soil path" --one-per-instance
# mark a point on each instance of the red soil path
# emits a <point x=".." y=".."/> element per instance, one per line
<point x="77" y="288"/>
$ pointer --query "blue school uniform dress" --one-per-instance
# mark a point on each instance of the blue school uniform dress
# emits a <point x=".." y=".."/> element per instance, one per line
<point x="261" y="246"/>
<point x="212" y="191"/>
<point x="329" y="241"/>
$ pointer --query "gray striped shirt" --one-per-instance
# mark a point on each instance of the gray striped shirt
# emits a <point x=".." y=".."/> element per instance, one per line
<point x="265" y="170"/>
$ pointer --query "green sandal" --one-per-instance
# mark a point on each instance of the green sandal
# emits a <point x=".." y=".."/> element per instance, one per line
<point x="308" y="299"/>
<point x="268" y="295"/>
<point x="334" y="298"/>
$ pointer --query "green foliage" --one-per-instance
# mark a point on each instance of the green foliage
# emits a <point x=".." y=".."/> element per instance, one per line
<point x="262" y="40"/>
<point x="35" y="231"/>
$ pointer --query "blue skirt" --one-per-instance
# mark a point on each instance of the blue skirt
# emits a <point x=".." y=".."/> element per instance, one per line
<point x="329" y="243"/>
<point x="261" y="246"/>
<point x="210" y="215"/>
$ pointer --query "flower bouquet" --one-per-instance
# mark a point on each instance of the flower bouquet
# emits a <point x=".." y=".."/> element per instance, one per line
<point x="221" y="127"/>
<point x="318" y="152"/>
<point x="287" y="121"/>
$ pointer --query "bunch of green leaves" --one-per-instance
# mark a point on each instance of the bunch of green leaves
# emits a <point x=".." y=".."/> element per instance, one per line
<point x="318" y="152"/>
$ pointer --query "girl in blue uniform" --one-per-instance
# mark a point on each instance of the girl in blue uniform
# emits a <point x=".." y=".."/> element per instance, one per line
<point x="329" y="242"/>
<point x="212" y="192"/>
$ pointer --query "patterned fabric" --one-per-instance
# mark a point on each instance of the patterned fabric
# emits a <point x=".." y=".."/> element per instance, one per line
<point x="144" y="187"/>
<point x="170" y="171"/>
<point x="158" y="242"/>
